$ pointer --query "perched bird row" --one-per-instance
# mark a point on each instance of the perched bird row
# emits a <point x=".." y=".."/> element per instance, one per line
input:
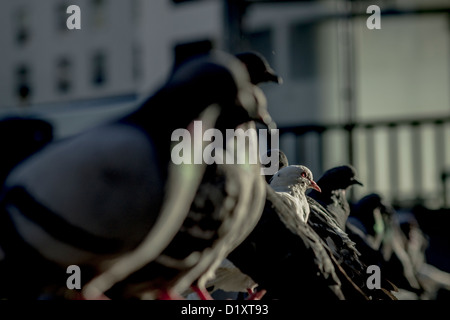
<point x="111" y="201"/>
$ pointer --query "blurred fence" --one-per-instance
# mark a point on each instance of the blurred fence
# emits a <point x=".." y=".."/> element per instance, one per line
<point x="377" y="148"/>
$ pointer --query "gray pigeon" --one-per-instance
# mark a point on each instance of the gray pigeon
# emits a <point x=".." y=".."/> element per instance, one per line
<point x="109" y="199"/>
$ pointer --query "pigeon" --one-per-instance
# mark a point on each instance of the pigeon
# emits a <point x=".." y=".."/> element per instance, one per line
<point x="75" y="201"/>
<point x="291" y="183"/>
<point x="329" y="213"/>
<point x="433" y="280"/>
<point x="345" y="250"/>
<point x="225" y="209"/>
<point x="292" y="187"/>
<point x="376" y="219"/>
<point x="334" y="184"/>
<point x="340" y="246"/>
<point x="213" y="226"/>
<point x="260" y="72"/>
<point x="365" y="224"/>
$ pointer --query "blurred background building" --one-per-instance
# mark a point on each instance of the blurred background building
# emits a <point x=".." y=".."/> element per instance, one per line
<point x="378" y="99"/>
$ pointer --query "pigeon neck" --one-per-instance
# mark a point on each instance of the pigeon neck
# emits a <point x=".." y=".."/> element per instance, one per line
<point x="303" y="207"/>
<point x="298" y="191"/>
<point x="294" y="190"/>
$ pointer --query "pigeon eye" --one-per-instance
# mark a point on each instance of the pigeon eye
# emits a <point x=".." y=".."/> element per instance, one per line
<point x="303" y="174"/>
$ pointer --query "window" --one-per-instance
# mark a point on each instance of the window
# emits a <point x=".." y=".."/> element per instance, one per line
<point x="303" y="51"/>
<point x="63" y="75"/>
<point x="99" y="69"/>
<point x="23" y="87"/>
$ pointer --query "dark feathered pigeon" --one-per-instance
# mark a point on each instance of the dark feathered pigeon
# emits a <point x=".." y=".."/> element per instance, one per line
<point x="347" y="254"/>
<point x="110" y="200"/>
<point x="378" y="229"/>
<point x="334" y="184"/>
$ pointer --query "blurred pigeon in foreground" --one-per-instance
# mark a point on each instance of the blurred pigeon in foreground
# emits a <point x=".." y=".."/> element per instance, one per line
<point x="75" y="202"/>
<point x="226" y="207"/>
<point x="260" y="72"/>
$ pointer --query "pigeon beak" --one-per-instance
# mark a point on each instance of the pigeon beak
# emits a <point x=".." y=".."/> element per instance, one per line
<point x="315" y="186"/>
<point x="273" y="77"/>
<point x="356" y="181"/>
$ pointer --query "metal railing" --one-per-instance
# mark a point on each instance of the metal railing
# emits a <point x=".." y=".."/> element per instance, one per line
<point x="362" y="146"/>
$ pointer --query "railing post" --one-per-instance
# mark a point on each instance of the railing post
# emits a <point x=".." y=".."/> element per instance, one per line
<point x="394" y="170"/>
<point x="371" y="166"/>
<point x="351" y="153"/>
<point x="439" y="132"/>
<point x="417" y="163"/>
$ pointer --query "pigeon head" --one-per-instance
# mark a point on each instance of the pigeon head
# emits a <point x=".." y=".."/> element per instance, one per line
<point x="258" y="68"/>
<point x="370" y="203"/>
<point x="280" y="161"/>
<point x="217" y="78"/>
<point x="294" y="176"/>
<point x="338" y="178"/>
